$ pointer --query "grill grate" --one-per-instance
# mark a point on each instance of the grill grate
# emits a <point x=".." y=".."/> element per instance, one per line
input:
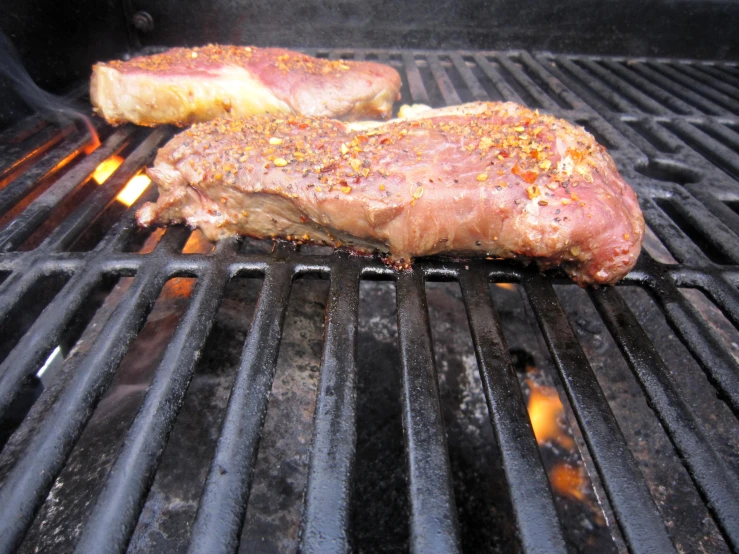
<point x="673" y="128"/>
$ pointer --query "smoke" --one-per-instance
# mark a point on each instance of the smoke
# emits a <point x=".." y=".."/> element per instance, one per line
<point x="42" y="102"/>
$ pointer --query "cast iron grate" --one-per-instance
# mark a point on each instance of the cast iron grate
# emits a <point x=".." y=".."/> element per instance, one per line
<point x="671" y="126"/>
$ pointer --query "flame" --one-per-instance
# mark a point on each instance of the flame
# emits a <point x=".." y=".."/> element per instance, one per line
<point x="133" y="189"/>
<point x="506" y="286"/>
<point x="178" y="287"/>
<point x="568" y="481"/>
<point x="106" y="169"/>
<point x="94" y="143"/>
<point x="197" y="244"/>
<point x="545" y="409"/>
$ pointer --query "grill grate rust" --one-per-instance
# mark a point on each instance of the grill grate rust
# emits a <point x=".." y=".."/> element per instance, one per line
<point x="671" y="126"/>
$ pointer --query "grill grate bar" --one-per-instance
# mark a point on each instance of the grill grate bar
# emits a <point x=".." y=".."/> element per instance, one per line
<point x="717" y="485"/>
<point x="44" y="335"/>
<point x="728" y="70"/>
<point x="707" y="146"/>
<point x="20" y="228"/>
<point x="434" y="526"/>
<point x="679" y="245"/>
<point x="442" y="80"/>
<point x="473" y="85"/>
<point x="528" y="85"/>
<point x="27" y="484"/>
<point x="717" y="208"/>
<point x="706" y="348"/>
<point x="415" y="81"/>
<point x="220" y="516"/>
<point x="724" y="134"/>
<point x="725" y="296"/>
<point x="683" y="92"/>
<point x="17" y="285"/>
<point x="13" y="155"/>
<point x="713" y="230"/>
<point x="531" y="497"/>
<point x="506" y="91"/>
<point x="30" y="353"/>
<point x="632" y="504"/>
<point x="28" y="269"/>
<point x="20" y="131"/>
<point x="49" y="164"/>
<point x="65" y="234"/>
<point x="664" y="141"/>
<point x="662" y="95"/>
<point x="325" y="522"/>
<point x="117" y="508"/>
<point x="717" y="78"/>
<point x="558" y="89"/>
<point x="684" y="76"/>
<point x="640" y="99"/>
<point x="596" y="93"/>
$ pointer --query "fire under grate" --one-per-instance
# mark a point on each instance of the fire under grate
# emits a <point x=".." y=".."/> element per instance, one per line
<point x="673" y="128"/>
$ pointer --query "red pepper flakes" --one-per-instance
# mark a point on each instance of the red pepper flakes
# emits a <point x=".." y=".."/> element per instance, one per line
<point x="576" y="155"/>
<point x="528" y="176"/>
<point x="533" y="192"/>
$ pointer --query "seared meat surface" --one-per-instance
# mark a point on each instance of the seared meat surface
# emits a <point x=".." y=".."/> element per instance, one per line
<point x="185" y="85"/>
<point x="487" y="179"/>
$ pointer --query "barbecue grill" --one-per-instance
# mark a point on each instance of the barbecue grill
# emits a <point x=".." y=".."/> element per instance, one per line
<point x="145" y="407"/>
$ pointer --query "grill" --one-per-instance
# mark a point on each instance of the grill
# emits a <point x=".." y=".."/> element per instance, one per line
<point x="671" y="126"/>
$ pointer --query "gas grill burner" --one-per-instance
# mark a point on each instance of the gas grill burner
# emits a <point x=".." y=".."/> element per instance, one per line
<point x="475" y="406"/>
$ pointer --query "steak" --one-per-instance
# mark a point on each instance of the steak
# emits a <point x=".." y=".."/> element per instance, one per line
<point x="185" y="85"/>
<point x="486" y="179"/>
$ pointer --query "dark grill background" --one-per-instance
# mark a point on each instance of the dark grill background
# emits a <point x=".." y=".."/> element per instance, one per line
<point x="670" y="125"/>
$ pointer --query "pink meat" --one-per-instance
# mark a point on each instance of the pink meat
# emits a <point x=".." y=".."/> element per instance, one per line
<point x="185" y="85"/>
<point x="485" y="179"/>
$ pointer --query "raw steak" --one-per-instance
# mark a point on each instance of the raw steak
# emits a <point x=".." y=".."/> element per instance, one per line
<point x="185" y="85"/>
<point x="487" y="179"/>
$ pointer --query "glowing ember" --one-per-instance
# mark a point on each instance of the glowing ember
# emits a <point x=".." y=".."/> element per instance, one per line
<point x="568" y="481"/>
<point x="545" y="410"/>
<point x="133" y="189"/>
<point x="506" y="286"/>
<point x="106" y="169"/>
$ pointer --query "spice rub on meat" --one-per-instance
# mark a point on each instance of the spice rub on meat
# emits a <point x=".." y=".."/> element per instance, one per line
<point x="487" y="179"/>
<point x="185" y="85"/>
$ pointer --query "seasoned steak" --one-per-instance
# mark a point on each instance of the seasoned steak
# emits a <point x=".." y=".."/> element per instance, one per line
<point x="185" y="85"/>
<point x="486" y="179"/>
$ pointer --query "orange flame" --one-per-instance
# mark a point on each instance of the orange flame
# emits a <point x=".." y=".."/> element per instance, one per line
<point x="545" y="409"/>
<point x="197" y="244"/>
<point x="178" y="287"/>
<point x="568" y="481"/>
<point x="106" y="169"/>
<point x="133" y="189"/>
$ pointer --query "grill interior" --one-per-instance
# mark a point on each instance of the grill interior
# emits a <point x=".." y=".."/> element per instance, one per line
<point x="78" y="274"/>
